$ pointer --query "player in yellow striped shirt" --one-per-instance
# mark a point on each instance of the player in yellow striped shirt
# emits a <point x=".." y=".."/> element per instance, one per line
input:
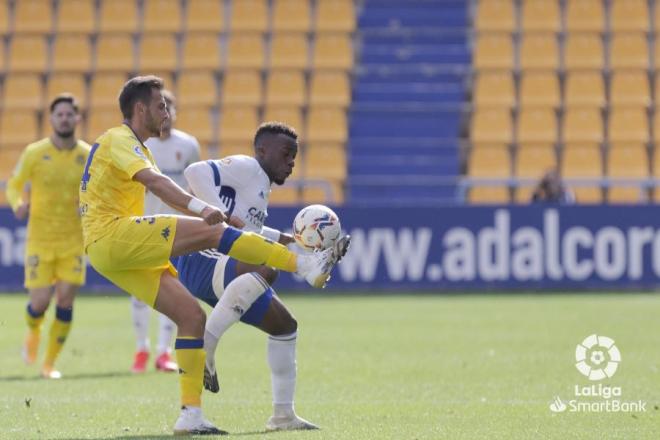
<point x="54" y="263"/>
<point x="133" y="251"/>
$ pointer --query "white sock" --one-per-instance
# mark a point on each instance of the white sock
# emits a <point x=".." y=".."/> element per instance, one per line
<point x="165" y="331"/>
<point x="140" y="313"/>
<point x="235" y="300"/>
<point x="282" y="362"/>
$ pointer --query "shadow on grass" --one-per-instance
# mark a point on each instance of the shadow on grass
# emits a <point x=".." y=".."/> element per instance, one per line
<point x="156" y="437"/>
<point x="69" y="377"/>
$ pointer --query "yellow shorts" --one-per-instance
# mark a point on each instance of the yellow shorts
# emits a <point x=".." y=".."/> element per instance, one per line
<point x="135" y="253"/>
<point x="45" y="266"/>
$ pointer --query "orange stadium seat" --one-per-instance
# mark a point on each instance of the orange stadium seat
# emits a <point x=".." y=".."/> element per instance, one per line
<point x="157" y="52"/>
<point x="495" y="16"/>
<point x="532" y="162"/>
<point x="118" y="16"/>
<point x="656" y="128"/>
<point x="102" y="119"/>
<point x="539" y="89"/>
<point x="491" y="125"/>
<point x="197" y="89"/>
<point x="105" y="88"/>
<point x="539" y="51"/>
<point x="628" y="124"/>
<point x="4" y="19"/>
<point x="245" y="51"/>
<point x="630" y="88"/>
<point x="317" y="194"/>
<point x="242" y="87"/>
<point x="485" y="195"/>
<point x="114" y="52"/>
<point x="585" y="16"/>
<point x="537" y="125"/>
<point x="289" y="51"/>
<point x="27" y="54"/>
<point x="585" y="89"/>
<point x="493" y="51"/>
<point x="582" y="161"/>
<point x="627" y="162"/>
<point x="162" y="16"/>
<point x="76" y="17"/>
<point x="18" y="128"/>
<point x="285" y="88"/>
<point x="540" y="16"/>
<point x="325" y="161"/>
<point x="72" y="53"/>
<point x="237" y="125"/>
<point x="205" y="16"/>
<point x="583" y="51"/>
<point x="284" y="195"/>
<point x="489" y="161"/>
<point x="332" y="52"/>
<point x="494" y="89"/>
<point x="198" y="121"/>
<point x="326" y="124"/>
<point x="230" y="149"/>
<point x="249" y="15"/>
<point x="330" y="88"/>
<point x="583" y="125"/>
<point x="289" y="115"/>
<point x="22" y="91"/>
<point x="656" y="167"/>
<point x="8" y="160"/>
<point x="67" y="83"/>
<point x="201" y="51"/>
<point x="335" y="16"/>
<point x="291" y="16"/>
<point x="657" y="48"/>
<point x="33" y="17"/>
<point x="629" y="51"/>
<point x="629" y="15"/>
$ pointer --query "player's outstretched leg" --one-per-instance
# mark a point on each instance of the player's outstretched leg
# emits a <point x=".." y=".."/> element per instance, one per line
<point x="164" y="360"/>
<point x="177" y="303"/>
<point x="140" y="312"/>
<point x="236" y="299"/>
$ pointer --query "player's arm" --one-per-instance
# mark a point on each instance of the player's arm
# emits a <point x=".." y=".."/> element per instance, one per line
<point x="16" y="186"/>
<point x="277" y="235"/>
<point x="169" y="192"/>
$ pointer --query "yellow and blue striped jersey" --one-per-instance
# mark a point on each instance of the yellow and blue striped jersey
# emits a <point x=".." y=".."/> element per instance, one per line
<point x="54" y="176"/>
<point x="107" y="188"/>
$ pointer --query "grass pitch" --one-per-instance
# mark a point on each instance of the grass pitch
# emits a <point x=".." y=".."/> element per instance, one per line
<point x="369" y="367"/>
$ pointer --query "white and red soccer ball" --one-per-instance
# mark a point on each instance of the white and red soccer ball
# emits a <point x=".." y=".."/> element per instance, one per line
<point x="316" y="227"/>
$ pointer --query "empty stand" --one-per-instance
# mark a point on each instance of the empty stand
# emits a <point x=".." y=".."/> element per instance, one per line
<point x="158" y="52"/>
<point x="583" y="161"/>
<point x="332" y="51"/>
<point x="539" y="89"/>
<point x="629" y="15"/>
<point x="540" y="16"/>
<point x="289" y="51"/>
<point x="585" y="16"/>
<point x="630" y="88"/>
<point x="286" y="88"/>
<point x="629" y="51"/>
<point x="242" y="88"/>
<point x="489" y="161"/>
<point x="585" y="89"/>
<point x="102" y="119"/>
<point x="198" y="121"/>
<point x="72" y="53"/>
<point x="67" y="83"/>
<point x="205" y="16"/>
<point x="4" y="19"/>
<point x="201" y="51"/>
<point x="245" y="51"/>
<point x="18" y="128"/>
<point x="114" y="52"/>
<point x="22" y="91"/>
<point x="291" y="16"/>
<point x="33" y="17"/>
<point x="76" y="16"/>
<point x="197" y="89"/>
<point x="627" y="161"/>
<point x="119" y="16"/>
<point x="493" y="51"/>
<point x="326" y="124"/>
<point x="249" y="15"/>
<point x="105" y="89"/>
<point x="162" y="16"/>
<point x="628" y="124"/>
<point x="238" y="125"/>
<point x="491" y="125"/>
<point x="28" y="53"/>
<point x="583" y="51"/>
<point x="539" y="51"/>
<point x="583" y="125"/>
<point x="537" y="125"/>
<point x="330" y="88"/>
<point x="335" y="16"/>
<point x="289" y="115"/>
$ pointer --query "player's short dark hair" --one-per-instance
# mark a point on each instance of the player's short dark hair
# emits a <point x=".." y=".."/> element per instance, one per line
<point x="64" y="97"/>
<point x="274" y="128"/>
<point x="137" y="89"/>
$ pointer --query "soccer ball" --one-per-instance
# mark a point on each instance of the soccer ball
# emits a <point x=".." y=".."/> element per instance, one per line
<point x="316" y="227"/>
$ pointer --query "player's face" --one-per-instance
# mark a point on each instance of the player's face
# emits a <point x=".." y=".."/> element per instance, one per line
<point x="171" y="110"/>
<point x="156" y="113"/>
<point x="279" y="157"/>
<point x="64" y="119"/>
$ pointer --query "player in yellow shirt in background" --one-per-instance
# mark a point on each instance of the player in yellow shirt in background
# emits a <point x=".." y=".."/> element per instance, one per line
<point x="133" y="251"/>
<point x="54" y="263"/>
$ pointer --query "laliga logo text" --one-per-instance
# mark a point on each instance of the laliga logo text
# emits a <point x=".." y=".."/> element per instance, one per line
<point x="597" y="358"/>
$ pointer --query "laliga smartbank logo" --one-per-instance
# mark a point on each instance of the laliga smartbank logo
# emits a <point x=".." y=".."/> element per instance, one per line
<point x="597" y="358"/>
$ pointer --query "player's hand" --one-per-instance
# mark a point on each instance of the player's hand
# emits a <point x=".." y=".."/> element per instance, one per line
<point x="286" y="238"/>
<point x="213" y="215"/>
<point x="236" y="222"/>
<point x="22" y="211"/>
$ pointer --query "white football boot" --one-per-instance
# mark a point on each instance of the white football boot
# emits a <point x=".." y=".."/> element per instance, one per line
<point x="316" y="267"/>
<point x="292" y="423"/>
<point x="191" y="421"/>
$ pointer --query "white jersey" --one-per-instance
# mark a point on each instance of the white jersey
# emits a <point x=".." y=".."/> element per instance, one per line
<point x="172" y="156"/>
<point x="238" y="186"/>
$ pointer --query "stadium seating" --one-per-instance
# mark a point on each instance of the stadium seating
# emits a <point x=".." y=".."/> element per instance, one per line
<point x="119" y="16"/>
<point x="205" y="16"/>
<point x="76" y="17"/>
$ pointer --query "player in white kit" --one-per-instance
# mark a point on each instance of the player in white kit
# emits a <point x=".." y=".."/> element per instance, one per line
<point x="173" y="151"/>
<point x="240" y="186"/>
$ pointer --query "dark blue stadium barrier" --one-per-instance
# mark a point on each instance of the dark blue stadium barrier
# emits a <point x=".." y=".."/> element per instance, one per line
<point x="464" y="248"/>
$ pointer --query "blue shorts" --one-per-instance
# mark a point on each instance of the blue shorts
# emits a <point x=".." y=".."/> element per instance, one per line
<point x="196" y="273"/>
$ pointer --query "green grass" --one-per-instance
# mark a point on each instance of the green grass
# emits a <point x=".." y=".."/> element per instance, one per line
<point x="369" y="367"/>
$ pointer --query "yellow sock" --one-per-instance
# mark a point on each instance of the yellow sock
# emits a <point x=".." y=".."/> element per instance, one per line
<point x="33" y="319"/>
<point x="59" y="330"/>
<point x="191" y="357"/>
<point x="252" y="248"/>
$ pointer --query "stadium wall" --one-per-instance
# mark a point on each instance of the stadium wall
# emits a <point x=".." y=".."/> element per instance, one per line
<point x="461" y="248"/>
